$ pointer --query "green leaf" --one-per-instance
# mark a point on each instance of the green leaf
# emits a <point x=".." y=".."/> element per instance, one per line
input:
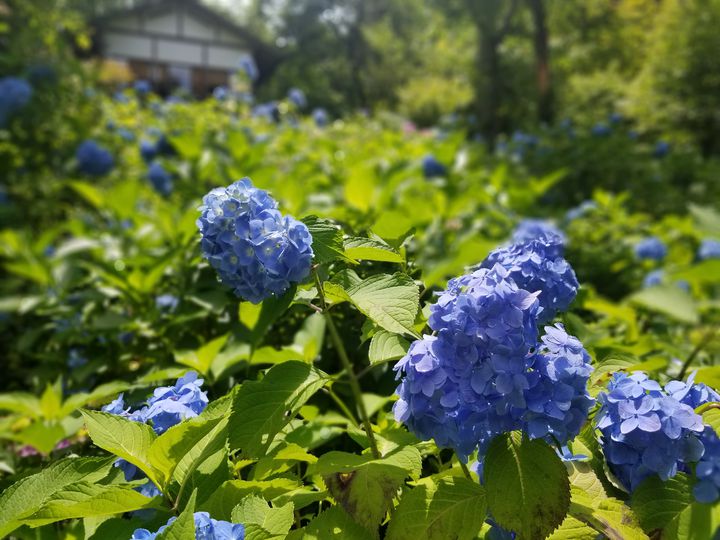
<point x="27" y="494"/>
<point x="527" y="486"/>
<point x="573" y="529"/>
<point x="201" y="359"/>
<point x="670" y="301"/>
<point x="259" y="318"/>
<point x="711" y="417"/>
<point x="20" y="402"/>
<point x="607" y="515"/>
<point x="262" y="408"/>
<point x="335" y="523"/>
<point x="51" y="400"/>
<point x="183" y="528"/>
<point x="85" y="499"/>
<point x="365" y="486"/>
<point x="124" y="438"/>
<point x="385" y="347"/>
<point x="701" y="273"/>
<point x="663" y="505"/>
<point x="367" y="249"/>
<point x="99" y="394"/>
<point x="261" y="521"/>
<point x="231" y="493"/>
<point x="327" y="242"/>
<point x="391" y="301"/>
<point x="177" y="452"/>
<point x="453" y="508"/>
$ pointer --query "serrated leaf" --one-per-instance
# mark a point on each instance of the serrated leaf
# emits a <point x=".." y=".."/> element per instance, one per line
<point x="327" y="242"/>
<point x="27" y="495"/>
<point x="183" y="528"/>
<point x="178" y="451"/>
<point x="84" y="499"/>
<point x="367" y="249"/>
<point x="261" y="521"/>
<point x="668" y="300"/>
<point x="365" y="486"/>
<point x="231" y="493"/>
<point x="609" y="516"/>
<point x="386" y="346"/>
<point x="453" y="508"/>
<point x="124" y="438"/>
<point x="658" y="504"/>
<point x="391" y="301"/>
<point x="201" y="359"/>
<point x="334" y="523"/>
<point x="527" y="486"/>
<point x="573" y="529"/>
<point x="262" y="408"/>
<point x="99" y="394"/>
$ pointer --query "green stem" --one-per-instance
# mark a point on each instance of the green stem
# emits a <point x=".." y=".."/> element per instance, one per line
<point x="340" y="403"/>
<point x="704" y="341"/>
<point x="345" y="359"/>
<point x="465" y="470"/>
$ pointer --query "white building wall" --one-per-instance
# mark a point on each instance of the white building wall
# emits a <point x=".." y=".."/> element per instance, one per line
<point x="196" y="29"/>
<point x="178" y="52"/>
<point x="162" y="24"/>
<point x="127" y="46"/>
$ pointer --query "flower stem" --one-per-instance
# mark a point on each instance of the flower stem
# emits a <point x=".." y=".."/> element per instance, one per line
<point x="704" y="341"/>
<point x="354" y="384"/>
<point x="465" y="469"/>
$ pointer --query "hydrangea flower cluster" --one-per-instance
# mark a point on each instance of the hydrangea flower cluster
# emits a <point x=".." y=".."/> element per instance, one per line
<point x="254" y="248"/>
<point x="160" y="179"/>
<point x="206" y="528"/>
<point x="15" y="93"/>
<point x="709" y="249"/>
<point x="431" y="167"/>
<point x="167" y="407"/>
<point x="248" y="66"/>
<point x="93" y="159"/>
<point x="142" y="87"/>
<point x="320" y="117"/>
<point x="534" y="229"/>
<point x="297" y="98"/>
<point x="650" y="248"/>
<point x="484" y="373"/>
<point x="581" y="210"/>
<point x="535" y="263"/>
<point x="647" y="430"/>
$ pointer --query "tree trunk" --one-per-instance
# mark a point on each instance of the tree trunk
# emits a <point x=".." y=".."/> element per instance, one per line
<point x="545" y="109"/>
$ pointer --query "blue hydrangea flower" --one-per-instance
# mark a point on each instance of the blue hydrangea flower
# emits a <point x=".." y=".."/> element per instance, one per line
<point x="206" y="528"/>
<point x="93" y="159"/>
<point x="248" y="66"/>
<point x="707" y="471"/>
<point x="142" y="87"/>
<point x="256" y="250"/>
<point x="600" y="130"/>
<point x="15" y="93"/>
<point x="615" y="118"/>
<point x="160" y="179"/>
<point x="533" y="229"/>
<point x="431" y="167"/>
<point x="269" y="111"/>
<point x="662" y="149"/>
<point x="167" y="302"/>
<point x="75" y="359"/>
<point x="650" y="248"/>
<point x="646" y="430"/>
<point x="220" y="93"/>
<point x="537" y="265"/>
<point x="580" y="211"/>
<point x="148" y="150"/>
<point x="559" y="403"/>
<point x="297" y="98"/>
<point x="320" y="117"/>
<point x="468" y="383"/>
<point x="164" y="147"/>
<point x="653" y="279"/>
<point x="709" y="249"/>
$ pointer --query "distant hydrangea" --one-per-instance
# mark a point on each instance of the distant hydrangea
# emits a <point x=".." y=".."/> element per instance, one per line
<point x="269" y="111"/>
<point x="256" y="250"/>
<point x="579" y="211"/>
<point x="93" y="159"/>
<point x="653" y="279"/>
<point x="535" y="263"/>
<point x="248" y="66"/>
<point x="431" y="167"/>
<point x="126" y="135"/>
<point x="600" y="130"/>
<point x="76" y="359"/>
<point x="662" y="149"/>
<point x="160" y="179"/>
<point x="167" y="302"/>
<point x="647" y="430"/>
<point x="297" y="98"/>
<point x="15" y="93"/>
<point x="142" y="87"/>
<point x="148" y="150"/>
<point x="533" y="229"/>
<point x="650" y="248"/>
<point x="709" y="249"/>
<point x="206" y="528"/>
<point x="320" y="117"/>
<point x="615" y="118"/>
<point x="220" y="93"/>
